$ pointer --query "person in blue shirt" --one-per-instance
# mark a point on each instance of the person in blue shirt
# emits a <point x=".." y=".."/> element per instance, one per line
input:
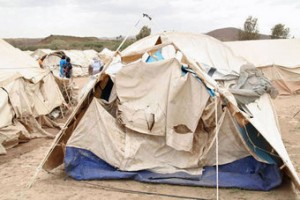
<point x="68" y="68"/>
<point x="61" y="66"/>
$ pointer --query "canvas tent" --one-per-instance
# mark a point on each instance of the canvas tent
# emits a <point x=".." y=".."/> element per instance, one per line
<point x="39" y="53"/>
<point x="80" y="60"/>
<point x="105" y="55"/>
<point x="156" y="119"/>
<point x="28" y="52"/>
<point x="278" y="59"/>
<point x="27" y="92"/>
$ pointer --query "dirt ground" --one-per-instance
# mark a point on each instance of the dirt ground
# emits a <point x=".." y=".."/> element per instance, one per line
<point x="19" y="165"/>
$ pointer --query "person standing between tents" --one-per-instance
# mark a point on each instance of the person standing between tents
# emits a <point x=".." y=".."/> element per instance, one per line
<point x="95" y="66"/>
<point x="61" y="65"/>
<point x="67" y="68"/>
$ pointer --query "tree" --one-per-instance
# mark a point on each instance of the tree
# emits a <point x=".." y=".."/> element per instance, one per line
<point x="279" y="31"/>
<point x="120" y="37"/>
<point x="250" y="31"/>
<point x="144" y="32"/>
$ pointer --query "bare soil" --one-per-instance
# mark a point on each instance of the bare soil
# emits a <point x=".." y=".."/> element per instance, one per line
<point x="21" y="162"/>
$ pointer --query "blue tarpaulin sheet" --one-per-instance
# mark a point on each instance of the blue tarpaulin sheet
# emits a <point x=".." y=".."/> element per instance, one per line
<point x="246" y="173"/>
<point x="157" y="56"/>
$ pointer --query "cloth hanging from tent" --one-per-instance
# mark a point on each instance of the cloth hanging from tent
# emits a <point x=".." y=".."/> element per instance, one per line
<point x="251" y="85"/>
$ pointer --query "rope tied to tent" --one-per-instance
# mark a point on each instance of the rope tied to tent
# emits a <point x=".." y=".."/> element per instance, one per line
<point x="93" y="185"/>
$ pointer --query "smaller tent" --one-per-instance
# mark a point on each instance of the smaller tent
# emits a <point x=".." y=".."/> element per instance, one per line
<point x="278" y="59"/>
<point x="26" y="93"/>
<point x="39" y="53"/>
<point x="80" y="61"/>
<point x="105" y="55"/>
<point x="28" y="52"/>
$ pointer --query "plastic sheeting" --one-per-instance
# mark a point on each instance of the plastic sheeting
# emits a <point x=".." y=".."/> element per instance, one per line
<point x="246" y="173"/>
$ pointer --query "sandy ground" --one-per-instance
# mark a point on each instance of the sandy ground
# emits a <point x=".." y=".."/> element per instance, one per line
<point x="20" y="164"/>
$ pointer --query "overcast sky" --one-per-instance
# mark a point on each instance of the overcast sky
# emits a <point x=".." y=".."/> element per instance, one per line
<point x="40" y="18"/>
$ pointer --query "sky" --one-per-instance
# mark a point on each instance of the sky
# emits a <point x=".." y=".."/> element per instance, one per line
<point x="111" y="18"/>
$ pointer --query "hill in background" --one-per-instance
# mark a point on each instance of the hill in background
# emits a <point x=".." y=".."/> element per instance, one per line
<point x="23" y="42"/>
<point x="57" y="42"/>
<point x="231" y="34"/>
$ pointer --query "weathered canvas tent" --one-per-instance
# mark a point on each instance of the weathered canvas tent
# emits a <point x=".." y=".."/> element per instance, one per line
<point x="39" y="53"/>
<point x="26" y="92"/>
<point x="79" y="59"/>
<point x="279" y="60"/>
<point x="157" y="119"/>
<point x="105" y="55"/>
<point x="28" y="52"/>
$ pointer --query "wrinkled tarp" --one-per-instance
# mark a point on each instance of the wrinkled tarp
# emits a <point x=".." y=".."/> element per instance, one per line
<point x="156" y="100"/>
<point x="246" y="173"/>
<point x="99" y="132"/>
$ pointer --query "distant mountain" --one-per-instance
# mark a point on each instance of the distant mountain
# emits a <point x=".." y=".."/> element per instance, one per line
<point x="67" y="39"/>
<point x="23" y="41"/>
<point x="230" y="34"/>
<point x="56" y="42"/>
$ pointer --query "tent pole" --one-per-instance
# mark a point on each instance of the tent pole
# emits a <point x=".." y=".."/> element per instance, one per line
<point x="217" y="147"/>
<point x="144" y="15"/>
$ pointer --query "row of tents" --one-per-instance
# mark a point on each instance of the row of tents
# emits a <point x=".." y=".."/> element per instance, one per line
<point x="277" y="59"/>
<point x="80" y="59"/>
<point x="29" y="92"/>
<point x="161" y="108"/>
